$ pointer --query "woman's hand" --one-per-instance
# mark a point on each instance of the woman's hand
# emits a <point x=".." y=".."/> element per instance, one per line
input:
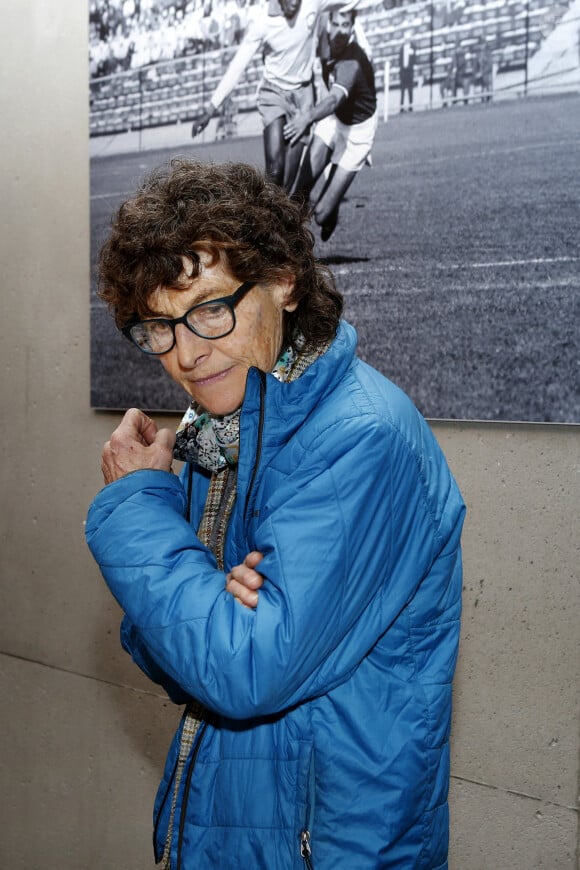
<point x="243" y="581"/>
<point x="135" y="444"/>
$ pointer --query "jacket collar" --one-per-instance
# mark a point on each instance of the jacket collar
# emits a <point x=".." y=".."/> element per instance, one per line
<point x="288" y="404"/>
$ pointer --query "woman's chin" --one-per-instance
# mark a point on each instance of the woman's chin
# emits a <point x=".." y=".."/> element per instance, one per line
<point x="217" y="406"/>
<point x="218" y="396"/>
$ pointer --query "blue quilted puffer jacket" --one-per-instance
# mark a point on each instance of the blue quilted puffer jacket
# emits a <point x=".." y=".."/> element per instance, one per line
<point x="326" y="743"/>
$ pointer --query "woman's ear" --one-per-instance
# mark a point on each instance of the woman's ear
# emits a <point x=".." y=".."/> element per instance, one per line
<point x="287" y="285"/>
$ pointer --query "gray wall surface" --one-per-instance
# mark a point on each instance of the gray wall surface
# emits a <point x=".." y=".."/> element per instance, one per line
<point x="84" y="735"/>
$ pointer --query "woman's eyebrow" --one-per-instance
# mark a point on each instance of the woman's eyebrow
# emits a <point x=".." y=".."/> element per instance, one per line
<point x="202" y="296"/>
<point x="205" y="295"/>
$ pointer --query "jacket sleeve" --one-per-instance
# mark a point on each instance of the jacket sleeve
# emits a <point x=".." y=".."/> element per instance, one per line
<point x="347" y="537"/>
<point x="132" y="644"/>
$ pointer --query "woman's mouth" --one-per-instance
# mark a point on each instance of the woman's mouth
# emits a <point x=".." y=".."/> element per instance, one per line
<point x="210" y="380"/>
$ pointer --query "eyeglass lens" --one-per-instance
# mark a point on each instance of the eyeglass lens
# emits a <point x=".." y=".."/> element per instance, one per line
<point x="209" y="320"/>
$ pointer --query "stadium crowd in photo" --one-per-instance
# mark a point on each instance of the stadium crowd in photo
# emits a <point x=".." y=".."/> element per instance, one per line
<point x="154" y="63"/>
<point x="456" y="251"/>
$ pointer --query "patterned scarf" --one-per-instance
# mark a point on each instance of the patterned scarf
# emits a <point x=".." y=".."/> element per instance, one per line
<point x="213" y="442"/>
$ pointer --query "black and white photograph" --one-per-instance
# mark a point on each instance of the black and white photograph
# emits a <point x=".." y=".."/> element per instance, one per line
<point x="452" y="230"/>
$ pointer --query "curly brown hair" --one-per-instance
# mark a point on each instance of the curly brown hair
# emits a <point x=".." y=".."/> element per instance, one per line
<point x="247" y="223"/>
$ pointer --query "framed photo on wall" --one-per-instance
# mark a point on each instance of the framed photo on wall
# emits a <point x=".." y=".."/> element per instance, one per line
<point x="456" y="246"/>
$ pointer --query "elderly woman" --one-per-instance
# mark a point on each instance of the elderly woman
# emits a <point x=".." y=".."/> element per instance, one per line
<point x="297" y="588"/>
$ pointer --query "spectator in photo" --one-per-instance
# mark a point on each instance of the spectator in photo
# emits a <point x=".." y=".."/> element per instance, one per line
<point x="230" y="23"/>
<point x="447" y="83"/>
<point x="297" y="588"/>
<point x="346" y="121"/>
<point x="242" y="16"/>
<point x="121" y="49"/>
<point x="194" y="36"/>
<point x="210" y="27"/>
<point x="463" y="73"/>
<point x="227" y="125"/>
<point x="407" y="55"/>
<point x="483" y="72"/>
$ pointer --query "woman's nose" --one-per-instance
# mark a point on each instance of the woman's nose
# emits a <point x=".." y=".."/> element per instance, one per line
<point x="190" y="348"/>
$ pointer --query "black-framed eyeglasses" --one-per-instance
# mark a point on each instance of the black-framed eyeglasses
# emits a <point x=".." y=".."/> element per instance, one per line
<point x="213" y="319"/>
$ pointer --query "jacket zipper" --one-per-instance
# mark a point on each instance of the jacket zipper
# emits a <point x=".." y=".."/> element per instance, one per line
<point x="162" y="807"/>
<point x="186" y="794"/>
<point x="305" y="849"/>
<point x="259" y="442"/>
<point x="189" y="491"/>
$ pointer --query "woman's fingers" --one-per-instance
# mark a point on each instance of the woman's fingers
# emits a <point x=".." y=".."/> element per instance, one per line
<point x="243" y="581"/>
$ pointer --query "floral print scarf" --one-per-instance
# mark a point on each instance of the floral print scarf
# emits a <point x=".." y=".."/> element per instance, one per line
<point x="213" y="442"/>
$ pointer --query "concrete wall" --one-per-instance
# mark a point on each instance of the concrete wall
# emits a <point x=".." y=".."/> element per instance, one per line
<point x="83" y="735"/>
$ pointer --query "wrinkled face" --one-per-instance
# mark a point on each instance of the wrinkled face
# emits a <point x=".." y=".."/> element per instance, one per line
<point x="340" y="30"/>
<point x="214" y="372"/>
<point x="289" y="7"/>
